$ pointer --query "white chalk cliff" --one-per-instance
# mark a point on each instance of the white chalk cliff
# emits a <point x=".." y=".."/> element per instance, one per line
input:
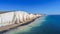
<point x="16" y="17"/>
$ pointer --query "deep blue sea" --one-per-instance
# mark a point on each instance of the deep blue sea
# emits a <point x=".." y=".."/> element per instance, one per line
<point x="49" y="24"/>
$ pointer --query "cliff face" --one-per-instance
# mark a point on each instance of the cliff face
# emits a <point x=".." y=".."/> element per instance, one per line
<point x="6" y="18"/>
<point x="9" y="18"/>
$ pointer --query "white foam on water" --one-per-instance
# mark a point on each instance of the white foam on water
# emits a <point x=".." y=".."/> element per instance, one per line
<point x="28" y="27"/>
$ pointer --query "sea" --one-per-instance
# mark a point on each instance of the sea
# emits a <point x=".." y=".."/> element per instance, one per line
<point x="49" y="24"/>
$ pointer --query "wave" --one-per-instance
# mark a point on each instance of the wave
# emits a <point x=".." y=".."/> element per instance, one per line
<point x="44" y="25"/>
<point x="27" y="28"/>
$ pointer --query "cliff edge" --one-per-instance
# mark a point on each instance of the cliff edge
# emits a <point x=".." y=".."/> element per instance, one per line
<point x="10" y="20"/>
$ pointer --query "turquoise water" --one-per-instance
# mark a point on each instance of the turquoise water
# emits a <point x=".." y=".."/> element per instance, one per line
<point x="45" y="25"/>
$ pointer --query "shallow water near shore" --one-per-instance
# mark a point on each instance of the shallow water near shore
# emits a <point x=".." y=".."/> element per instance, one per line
<point x="49" y="24"/>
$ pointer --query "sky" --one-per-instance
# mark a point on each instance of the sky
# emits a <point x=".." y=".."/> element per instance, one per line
<point x="32" y="6"/>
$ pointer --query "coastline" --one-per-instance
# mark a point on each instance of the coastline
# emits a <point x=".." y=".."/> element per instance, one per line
<point x="26" y="28"/>
<point x="13" y="26"/>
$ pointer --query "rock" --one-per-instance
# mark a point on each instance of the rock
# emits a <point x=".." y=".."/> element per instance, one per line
<point x="13" y="19"/>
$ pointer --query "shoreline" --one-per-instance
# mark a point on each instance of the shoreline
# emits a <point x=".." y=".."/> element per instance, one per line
<point x="13" y="26"/>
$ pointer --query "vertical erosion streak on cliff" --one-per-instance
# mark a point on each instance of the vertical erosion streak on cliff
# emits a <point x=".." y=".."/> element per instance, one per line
<point x="27" y="28"/>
